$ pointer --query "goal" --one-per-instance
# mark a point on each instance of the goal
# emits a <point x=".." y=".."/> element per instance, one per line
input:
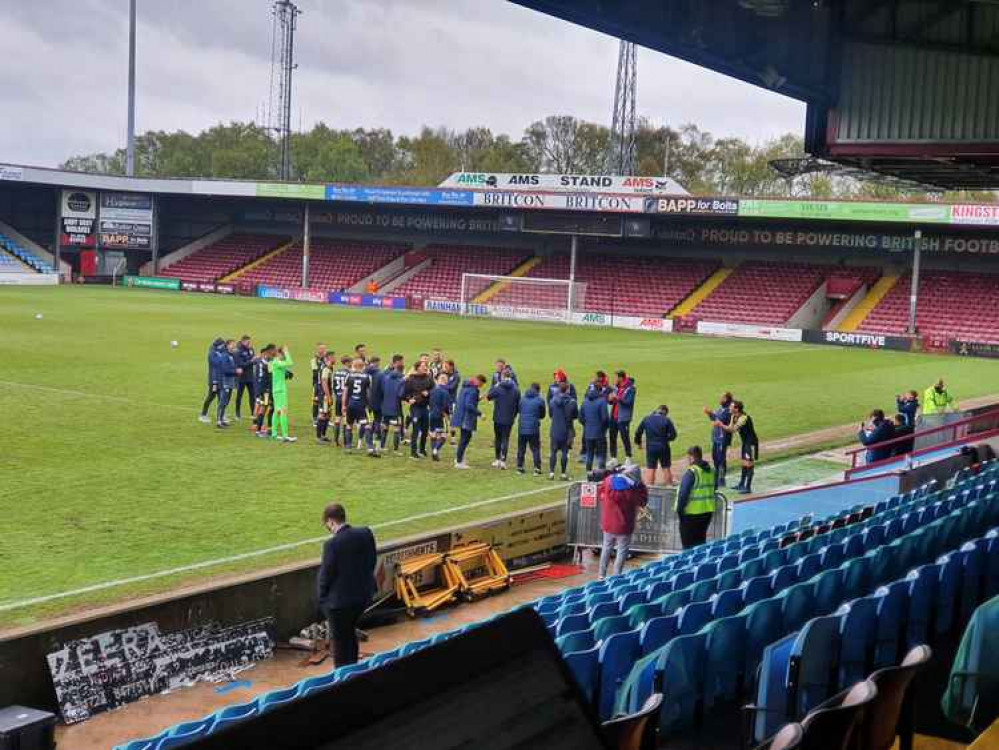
<point x="521" y="298"/>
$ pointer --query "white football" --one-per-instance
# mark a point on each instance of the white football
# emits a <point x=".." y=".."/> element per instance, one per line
<point x="174" y="344"/>
<point x="38" y="316"/>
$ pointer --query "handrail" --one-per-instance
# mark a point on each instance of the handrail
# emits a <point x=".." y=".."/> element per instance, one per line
<point x="953" y="426"/>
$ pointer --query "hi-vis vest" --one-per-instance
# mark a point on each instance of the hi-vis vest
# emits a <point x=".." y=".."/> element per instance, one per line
<point x="934" y="402"/>
<point x="702" y="496"/>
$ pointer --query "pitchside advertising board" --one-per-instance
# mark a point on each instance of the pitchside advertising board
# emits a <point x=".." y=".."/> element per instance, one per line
<point x="974" y="349"/>
<point x="79" y="218"/>
<point x="858" y="340"/>
<point x="126" y="221"/>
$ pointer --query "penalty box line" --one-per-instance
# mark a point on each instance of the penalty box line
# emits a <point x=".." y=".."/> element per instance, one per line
<point x="262" y="552"/>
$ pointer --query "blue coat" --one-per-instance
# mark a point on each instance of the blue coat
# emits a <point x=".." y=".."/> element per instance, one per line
<point x="532" y="411"/>
<point x="718" y="435"/>
<point x="883" y="430"/>
<point x="563" y="411"/>
<point x="506" y="399"/>
<point x="466" y="411"/>
<point x="594" y="416"/>
<point x="908" y="410"/>
<point x="390" y="392"/>
<point x="453" y="384"/>
<point x="626" y="404"/>
<point x="226" y="368"/>
<point x="553" y="391"/>
<point x="214" y="362"/>
<point x="440" y="402"/>
<point x="658" y="432"/>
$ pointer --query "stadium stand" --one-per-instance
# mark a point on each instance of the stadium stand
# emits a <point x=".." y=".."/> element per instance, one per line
<point x="950" y="306"/>
<point x="621" y="284"/>
<point x="333" y="264"/>
<point x="19" y="252"/>
<point x="442" y="278"/>
<point x="813" y="609"/>
<point x="769" y="293"/>
<point x="12" y="264"/>
<point x="223" y="258"/>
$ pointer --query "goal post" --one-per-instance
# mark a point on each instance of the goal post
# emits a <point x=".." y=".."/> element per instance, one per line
<point x="521" y="297"/>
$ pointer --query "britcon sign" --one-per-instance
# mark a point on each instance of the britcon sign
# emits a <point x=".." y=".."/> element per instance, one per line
<point x="562" y="183"/>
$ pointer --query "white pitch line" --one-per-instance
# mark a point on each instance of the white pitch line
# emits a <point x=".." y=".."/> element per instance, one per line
<point x="261" y="552"/>
<point x="84" y="394"/>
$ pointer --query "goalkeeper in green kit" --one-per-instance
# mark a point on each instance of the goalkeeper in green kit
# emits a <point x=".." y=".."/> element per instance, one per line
<point x="280" y="375"/>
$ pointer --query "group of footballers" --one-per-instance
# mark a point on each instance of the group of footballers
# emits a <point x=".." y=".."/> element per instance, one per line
<point x="377" y="407"/>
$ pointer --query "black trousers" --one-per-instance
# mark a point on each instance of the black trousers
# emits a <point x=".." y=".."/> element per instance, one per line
<point x="534" y="441"/>
<point x="213" y="392"/>
<point x="624" y="430"/>
<point x="463" y="441"/>
<point x="251" y="395"/>
<point x="596" y="450"/>
<point x="719" y="457"/>
<point x="343" y="634"/>
<point x="225" y="394"/>
<point x="694" y="529"/>
<point x="501" y="433"/>
<point x="558" y="448"/>
<point x="420" y="417"/>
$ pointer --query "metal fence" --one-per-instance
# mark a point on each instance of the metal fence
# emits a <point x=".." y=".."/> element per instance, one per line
<point x="657" y="527"/>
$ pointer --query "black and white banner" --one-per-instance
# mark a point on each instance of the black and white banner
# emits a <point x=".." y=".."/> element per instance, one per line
<point x="974" y="349"/>
<point x="79" y="215"/>
<point x="860" y="340"/>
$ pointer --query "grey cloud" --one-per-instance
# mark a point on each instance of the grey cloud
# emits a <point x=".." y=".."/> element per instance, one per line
<point x="373" y="63"/>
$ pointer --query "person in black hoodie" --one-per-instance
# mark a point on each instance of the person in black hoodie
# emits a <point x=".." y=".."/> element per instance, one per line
<point x="416" y="392"/>
<point x="562" y="410"/>
<point x="506" y="401"/>
<point x="903" y="429"/>
<point x="531" y="413"/>
<point x="657" y="431"/>
<point x="214" y="378"/>
<point x="244" y="373"/>
<point x="227" y="372"/>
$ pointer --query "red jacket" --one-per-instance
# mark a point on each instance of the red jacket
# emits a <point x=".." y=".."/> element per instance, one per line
<point x="619" y="506"/>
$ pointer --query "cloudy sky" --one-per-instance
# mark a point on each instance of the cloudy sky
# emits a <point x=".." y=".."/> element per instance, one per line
<point x="394" y="63"/>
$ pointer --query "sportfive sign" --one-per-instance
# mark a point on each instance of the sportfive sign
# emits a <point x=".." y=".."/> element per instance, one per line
<point x="860" y="340"/>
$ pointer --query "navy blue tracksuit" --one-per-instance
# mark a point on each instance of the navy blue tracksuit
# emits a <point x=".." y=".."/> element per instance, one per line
<point x="594" y="417"/>
<point x="562" y="410"/>
<point x="466" y="417"/>
<point x="621" y="413"/>
<point x="720" y="441"/>
<point x="214" y="377"/>
<point x="530" y="414"/>
<point x="244" y="361"/>
<point x="227" y="373"/>
<point x="506" y="400"/>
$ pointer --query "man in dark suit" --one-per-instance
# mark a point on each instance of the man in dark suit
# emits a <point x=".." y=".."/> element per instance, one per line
<point x="346" y="581"/>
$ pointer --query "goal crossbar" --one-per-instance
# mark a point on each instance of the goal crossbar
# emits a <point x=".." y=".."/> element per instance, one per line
<point x="520" y="297"/>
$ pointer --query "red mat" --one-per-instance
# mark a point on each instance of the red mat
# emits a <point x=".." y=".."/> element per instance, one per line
<point x="552" y="572"/>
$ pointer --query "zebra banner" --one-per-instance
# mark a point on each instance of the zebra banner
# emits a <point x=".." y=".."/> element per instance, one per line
<point x="657" y="527"/>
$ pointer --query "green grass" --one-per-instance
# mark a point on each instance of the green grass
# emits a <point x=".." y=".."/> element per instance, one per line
<point x="105" y="472"/>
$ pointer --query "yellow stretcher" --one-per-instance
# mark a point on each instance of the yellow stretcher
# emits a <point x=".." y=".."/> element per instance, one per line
<point x="425" y="583"/>
<point x="478" y="570"/>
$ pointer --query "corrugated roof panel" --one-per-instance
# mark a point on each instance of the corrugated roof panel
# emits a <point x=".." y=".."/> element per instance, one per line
<point x="908" y="94"/>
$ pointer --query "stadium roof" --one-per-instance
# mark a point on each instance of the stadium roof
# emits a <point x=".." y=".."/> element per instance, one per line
<point x="902" y="87"/>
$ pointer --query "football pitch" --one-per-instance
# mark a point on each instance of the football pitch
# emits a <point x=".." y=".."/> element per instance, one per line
<point x="107" y="475"/>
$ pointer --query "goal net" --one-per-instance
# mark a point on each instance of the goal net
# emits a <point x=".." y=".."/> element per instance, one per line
<point x="521" y="298"/>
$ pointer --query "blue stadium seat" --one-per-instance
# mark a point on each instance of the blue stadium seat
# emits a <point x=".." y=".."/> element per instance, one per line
<point x="573" y="624"/>
<point x="681" y="663"/>
<point x="704" y="571"/>
<point x="771" y="707"/>
<point x="858" y="633"/>
<point x="797" y="605"/>
<point x="809" y="566"/>
<point x="992" y="571"/>
<point x="730" y="579"/>
<point x="948" y="589"/>
<point x="683" y="579"/>
<point x="814" y="658"/>
<point x="693" y="617"/>
<point x="585" y="667"/>
<point x="764" y="625"/>
<point x="581" y="640"/>
<point x="854" y="546"/>
<point x="603" y="610"/>
<point x="659" y="589"/>
<point x="973" y="572"/>
<point x="571" y="609"/>
<point x="724" y="659"/>
<point x="672" y="602"/>
<point x="755" y="590"/>
<point x="726" y="603"/>
<point x="828" y="590"/>
<point x="273" y="699"/>
<point x="922" y="593"/>
<point x="308" y="686"/>
<point x="617" y="656"/>
<point x="833" y="555"/>
<point x="631" y="599"/>
<point x="703" y="590"/>
<point x="658" y="631"/>
<point x="729" y="562"/>
<point x="642" y="613"/>
<point x="856" y="577"/>
<point x="783" y="577"/>
<point x="753" y="568"/>
<point x="232" y="714"/>
<point x="608" y="626"/>
<point x="893" y="604"/>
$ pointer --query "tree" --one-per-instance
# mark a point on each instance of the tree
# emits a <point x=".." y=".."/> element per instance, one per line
<point x="566" y="145"/>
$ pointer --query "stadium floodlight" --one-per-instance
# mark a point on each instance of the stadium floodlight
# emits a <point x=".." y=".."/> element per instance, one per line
<point x="521" y="297"/>
<point x="130" y="138"/>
